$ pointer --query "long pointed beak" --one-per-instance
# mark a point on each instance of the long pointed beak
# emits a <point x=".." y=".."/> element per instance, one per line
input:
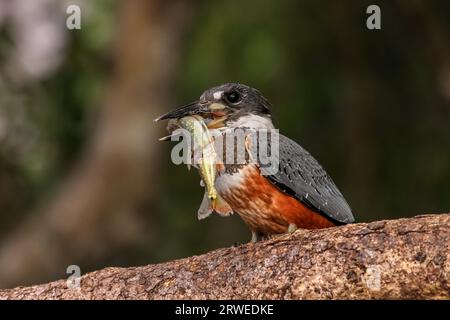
<point x="189" y="109"/>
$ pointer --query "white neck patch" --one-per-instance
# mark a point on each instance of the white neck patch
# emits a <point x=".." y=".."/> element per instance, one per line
<point x="252" y="121"/>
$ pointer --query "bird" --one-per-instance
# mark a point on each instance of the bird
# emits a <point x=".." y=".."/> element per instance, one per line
<point x="299" y="194"/>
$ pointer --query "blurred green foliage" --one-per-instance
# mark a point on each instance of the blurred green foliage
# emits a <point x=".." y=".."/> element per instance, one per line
<point x="388" y="152"/>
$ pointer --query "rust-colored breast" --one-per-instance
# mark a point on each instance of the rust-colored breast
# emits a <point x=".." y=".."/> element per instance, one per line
<point x="266" y="209"/>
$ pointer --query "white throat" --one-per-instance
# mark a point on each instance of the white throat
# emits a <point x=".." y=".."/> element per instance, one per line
<point x="252" y="121"/>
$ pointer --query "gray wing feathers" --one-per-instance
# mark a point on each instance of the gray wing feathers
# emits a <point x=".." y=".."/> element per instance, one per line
<point x="302" y="176"/>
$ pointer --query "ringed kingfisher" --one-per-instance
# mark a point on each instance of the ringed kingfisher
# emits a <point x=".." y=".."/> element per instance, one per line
<point x="299" y="195"/>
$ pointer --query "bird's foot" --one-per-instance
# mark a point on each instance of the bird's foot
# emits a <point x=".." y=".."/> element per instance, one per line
<point x="292" y="228"/>
<point x="256" y="236"/>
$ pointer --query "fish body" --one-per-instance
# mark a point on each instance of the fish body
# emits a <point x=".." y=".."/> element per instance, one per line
<point x="204" y="144"/>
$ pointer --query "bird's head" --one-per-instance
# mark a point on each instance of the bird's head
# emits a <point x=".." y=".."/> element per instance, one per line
<point x="228" y="105"/>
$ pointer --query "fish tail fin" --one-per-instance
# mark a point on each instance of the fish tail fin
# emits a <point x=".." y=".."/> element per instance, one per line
<point x="220" y="206"/>
<point x="205" y="208"/>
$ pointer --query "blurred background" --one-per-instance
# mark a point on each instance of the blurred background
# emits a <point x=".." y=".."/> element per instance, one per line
<point x="83" y="179"/>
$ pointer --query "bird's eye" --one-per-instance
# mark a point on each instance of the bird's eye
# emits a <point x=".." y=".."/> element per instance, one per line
<point x="233" y="97"/>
